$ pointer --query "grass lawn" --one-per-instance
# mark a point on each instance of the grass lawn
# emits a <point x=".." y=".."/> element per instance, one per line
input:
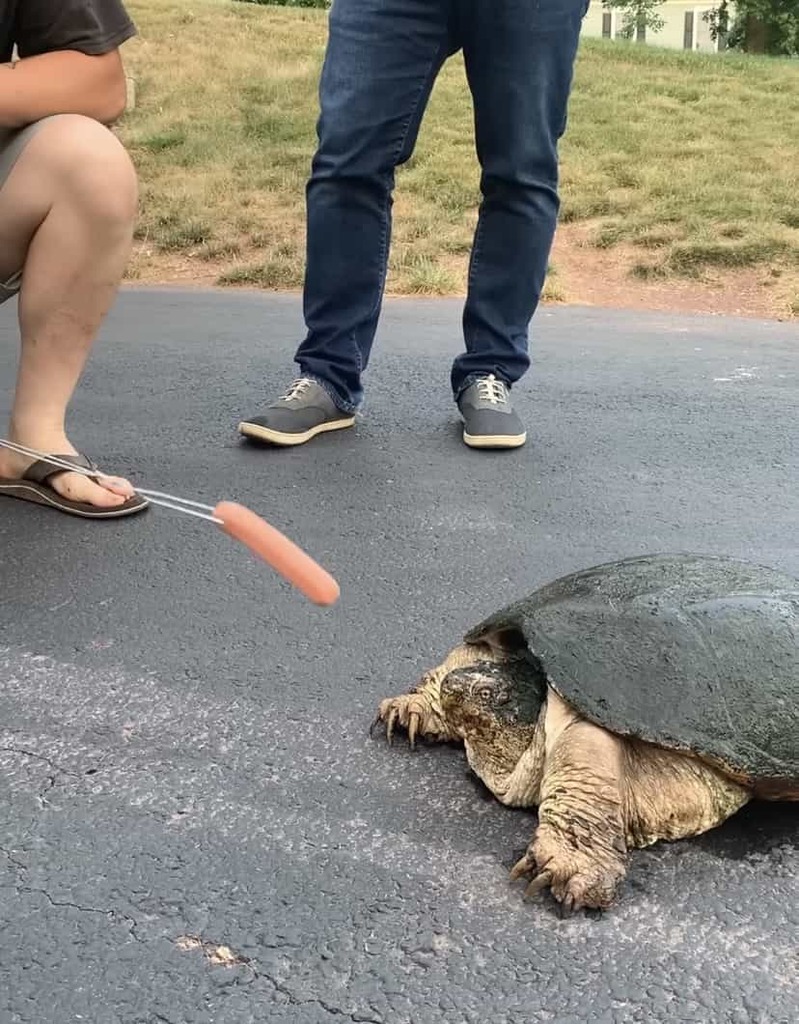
<point x="680" y="172"/>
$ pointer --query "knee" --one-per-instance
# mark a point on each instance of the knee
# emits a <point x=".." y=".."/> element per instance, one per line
<point x="343" y="154"/>
<point x="523" y="180"/>
<point x="89" y="168"/>
<point x="354" y="139"/>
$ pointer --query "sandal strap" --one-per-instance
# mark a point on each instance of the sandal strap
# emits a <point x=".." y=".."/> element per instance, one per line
<point x="40" y="472"/>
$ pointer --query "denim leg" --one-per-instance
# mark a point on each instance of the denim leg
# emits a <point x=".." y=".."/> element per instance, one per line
<point x="519" y="57"/>
<point x="381" y="62"/>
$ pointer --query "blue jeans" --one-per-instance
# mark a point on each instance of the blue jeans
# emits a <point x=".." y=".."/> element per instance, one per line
<point x="382" y="60"/>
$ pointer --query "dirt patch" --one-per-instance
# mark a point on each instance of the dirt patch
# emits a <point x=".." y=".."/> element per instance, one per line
<point x="588" y="275"/>
<point x="168" y="269"/>
<point x="583" y="275"/>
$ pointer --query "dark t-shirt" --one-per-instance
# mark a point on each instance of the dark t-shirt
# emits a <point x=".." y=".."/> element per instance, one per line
<point x="41" y="26"/>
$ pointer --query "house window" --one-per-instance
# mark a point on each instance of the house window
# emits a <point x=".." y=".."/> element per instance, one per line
<point x="640" y="34"/>
<point x="688" y="31"/>
<point x="607" y="24"/>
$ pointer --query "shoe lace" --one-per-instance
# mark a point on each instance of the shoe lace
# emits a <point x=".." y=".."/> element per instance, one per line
<point x="296" y="389"/>
<point x="489" y="389"/>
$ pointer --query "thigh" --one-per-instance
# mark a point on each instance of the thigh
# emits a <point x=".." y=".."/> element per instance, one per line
<point x="519" y="57"/>
<point x="16" y="222"/>
<point x="65" y="155"/>
<point x="381" y="61"/>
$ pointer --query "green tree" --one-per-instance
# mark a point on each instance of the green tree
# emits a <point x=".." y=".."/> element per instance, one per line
<point x="758" y="26"/>
<point x="638" y="15"/>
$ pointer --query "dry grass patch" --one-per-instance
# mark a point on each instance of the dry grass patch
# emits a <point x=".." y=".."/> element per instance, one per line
<point x="686" y="167"/>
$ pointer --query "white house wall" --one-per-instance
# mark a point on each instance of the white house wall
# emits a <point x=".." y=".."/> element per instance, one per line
<point x="673" y="33"/>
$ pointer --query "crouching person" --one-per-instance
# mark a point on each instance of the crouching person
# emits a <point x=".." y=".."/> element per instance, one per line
<point x="68" y="203"/>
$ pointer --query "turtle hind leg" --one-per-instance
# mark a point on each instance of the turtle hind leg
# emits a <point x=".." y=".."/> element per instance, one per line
<point x="419" y="711"/>
<point x="579" y="848"/>
<point x="671" y="796"/>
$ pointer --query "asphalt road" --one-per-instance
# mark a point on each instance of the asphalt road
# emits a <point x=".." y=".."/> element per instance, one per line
<point x="184" y="740"/>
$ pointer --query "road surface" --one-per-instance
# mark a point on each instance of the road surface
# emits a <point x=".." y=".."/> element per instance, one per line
<point x="196" y="827"/>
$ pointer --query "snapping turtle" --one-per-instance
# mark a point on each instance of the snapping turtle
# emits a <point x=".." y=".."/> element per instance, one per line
<point x="641" y="700"/>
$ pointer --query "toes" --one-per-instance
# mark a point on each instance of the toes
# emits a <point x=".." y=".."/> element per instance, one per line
<point x="523" y="867"/>
<point x="568" y="904"/>
<point x="409" y="712"/>
<point x="414" y="720"/>
<point x="540" y="882"/>
<point x="76" y="487"/>
<point x="117" y="485"/>
<point x="393" y="715"/>
<point x="574" y="886"/>
<point x="388" y="715"/>
<point x="395" y="712"/>
<point x="589" y="892"/>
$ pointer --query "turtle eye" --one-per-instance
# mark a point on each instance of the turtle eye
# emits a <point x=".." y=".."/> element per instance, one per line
<point x="485" y="693"/>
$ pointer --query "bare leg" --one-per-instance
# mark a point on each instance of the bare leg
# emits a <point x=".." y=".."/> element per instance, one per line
<point x="67" y="213"/>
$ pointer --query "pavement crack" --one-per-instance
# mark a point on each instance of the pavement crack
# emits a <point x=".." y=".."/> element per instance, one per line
<point x="109" y="913"/>
<point x="13" y="860"/>
<point x="334" y="1011"/>
<point x="57" y="768"/>
<point x="70" y="904"/>
<point x="222" y="955"/>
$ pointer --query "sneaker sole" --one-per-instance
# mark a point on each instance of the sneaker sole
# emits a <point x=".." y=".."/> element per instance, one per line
<point x="284" y="439"/>
<point x="494" y="440"/>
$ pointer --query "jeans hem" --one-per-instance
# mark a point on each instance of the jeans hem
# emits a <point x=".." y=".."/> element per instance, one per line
<point x="340" y="403"/>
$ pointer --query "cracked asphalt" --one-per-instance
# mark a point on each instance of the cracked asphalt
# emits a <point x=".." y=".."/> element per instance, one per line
<point x="195" y="826"/>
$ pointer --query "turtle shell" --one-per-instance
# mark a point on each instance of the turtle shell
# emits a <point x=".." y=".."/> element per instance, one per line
<point x="691" y="652"/>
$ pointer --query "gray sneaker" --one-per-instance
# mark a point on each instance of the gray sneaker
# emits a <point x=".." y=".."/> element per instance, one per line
<point x="304" y="411"/>
<point x="488" y="417"/>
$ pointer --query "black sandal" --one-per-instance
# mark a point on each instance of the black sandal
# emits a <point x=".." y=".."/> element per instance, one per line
<point x="34" y="486"/>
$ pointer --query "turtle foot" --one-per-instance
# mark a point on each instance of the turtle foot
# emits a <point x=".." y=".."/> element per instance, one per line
<point x="414" y="713"/>
<point x="579" y="878"/>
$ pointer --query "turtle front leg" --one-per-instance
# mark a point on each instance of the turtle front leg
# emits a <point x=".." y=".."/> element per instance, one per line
<point x="419" y="711"/>
<point x="579" y="849"/>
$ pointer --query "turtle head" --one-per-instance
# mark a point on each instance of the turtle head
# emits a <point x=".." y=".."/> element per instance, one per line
<point x="495" y="704"/>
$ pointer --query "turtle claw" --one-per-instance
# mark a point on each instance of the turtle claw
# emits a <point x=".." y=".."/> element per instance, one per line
<point x="540" y="882"/>
<point x="578" y="879"/>
<point x="567" y="905"/>
<point x="543" y="880"/>
<point x="412" y="712"/>
<point x="523" y="866"/>
<point x="414" y="720"/>
<point x="391" y="721"/>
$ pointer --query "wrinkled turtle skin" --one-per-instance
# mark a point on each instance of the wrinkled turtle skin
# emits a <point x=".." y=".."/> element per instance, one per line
<point x="633" y="702"/>
<point x="693" y="653"/>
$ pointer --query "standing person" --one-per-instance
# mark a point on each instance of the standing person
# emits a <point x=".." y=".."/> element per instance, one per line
<point x="382" y="59"/>
<point x="68" y="202"/>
